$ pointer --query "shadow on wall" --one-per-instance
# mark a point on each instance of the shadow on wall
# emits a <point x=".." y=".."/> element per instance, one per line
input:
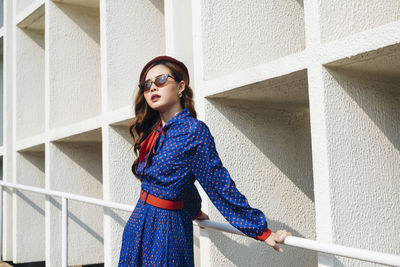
<point x="84" y="154"/>
<point x="87" y="18"/>
<point x="300" y="2"/>
<point x="291" y="256"/>
<point x="285" y="139"/>
<point x="159" y="5"/>
<point x="75" y="218"/>
<point x="377" y="95"/>
<point x="36" y="36"/>
<point x="273" y="139"/>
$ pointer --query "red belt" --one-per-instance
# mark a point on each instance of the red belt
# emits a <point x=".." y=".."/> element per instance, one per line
<point x="159" y="202"/>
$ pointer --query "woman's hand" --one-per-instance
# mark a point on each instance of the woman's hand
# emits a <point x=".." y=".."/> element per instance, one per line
<point x="203" y="216"/>
<point x="277" y="237"/>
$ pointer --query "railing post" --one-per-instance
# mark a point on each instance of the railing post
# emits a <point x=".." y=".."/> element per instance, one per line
<point x="64" y="232"/>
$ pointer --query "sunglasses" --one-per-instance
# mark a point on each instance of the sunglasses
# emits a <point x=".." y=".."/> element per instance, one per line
<point x="159" y="80"/>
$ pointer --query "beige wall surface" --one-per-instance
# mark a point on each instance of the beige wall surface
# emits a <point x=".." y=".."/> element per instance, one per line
<point x="302" y="98"/>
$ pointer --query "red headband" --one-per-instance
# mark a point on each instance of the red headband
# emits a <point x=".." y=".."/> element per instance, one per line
<point x="167" y="58"/>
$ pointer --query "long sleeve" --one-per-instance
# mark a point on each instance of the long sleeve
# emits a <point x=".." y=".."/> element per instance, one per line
<point x="192" y="202"/>
<point x="207" y="168"/>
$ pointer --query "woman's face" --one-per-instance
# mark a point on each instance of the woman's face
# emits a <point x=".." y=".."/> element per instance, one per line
<point x="168" y="92"/>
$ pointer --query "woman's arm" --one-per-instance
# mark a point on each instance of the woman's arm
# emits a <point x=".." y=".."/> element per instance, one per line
<point x="207" y="168"/>
<point x="274" y="238"/>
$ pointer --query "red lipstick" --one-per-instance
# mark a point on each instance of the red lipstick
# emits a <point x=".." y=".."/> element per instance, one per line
<point x="155" y="97"/>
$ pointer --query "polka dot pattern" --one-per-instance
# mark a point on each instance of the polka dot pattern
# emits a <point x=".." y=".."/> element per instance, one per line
<point x="184" y="152"/>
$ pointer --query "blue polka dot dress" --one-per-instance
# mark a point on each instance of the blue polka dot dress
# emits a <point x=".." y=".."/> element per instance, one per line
<point x="184" y="152"/>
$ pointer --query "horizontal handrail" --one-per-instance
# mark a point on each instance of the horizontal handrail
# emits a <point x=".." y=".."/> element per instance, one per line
<point x="349" y="252"/>
<point x="91" y="200"/>
<point x="324" y="247"/>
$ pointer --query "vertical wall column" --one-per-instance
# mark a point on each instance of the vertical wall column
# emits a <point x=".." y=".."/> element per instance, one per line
<point x="29" y="119"/>
<point x="74" y="135"/>
<point x="8" y="137"/>
<point x="323" y="220"/>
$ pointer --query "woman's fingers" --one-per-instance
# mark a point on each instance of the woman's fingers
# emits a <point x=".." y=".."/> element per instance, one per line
<point x="281" y="237"/>
<point x="277" y="237"/>
<point x="274" y="245"/>
<point x="277" y="248"/>
<point x="203" y="216"/>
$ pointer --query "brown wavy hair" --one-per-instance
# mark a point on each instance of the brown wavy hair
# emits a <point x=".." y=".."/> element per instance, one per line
<point x="146" y="119"/>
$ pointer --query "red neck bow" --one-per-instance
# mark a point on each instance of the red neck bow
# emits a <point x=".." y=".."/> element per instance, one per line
<point x="148" y="144"/>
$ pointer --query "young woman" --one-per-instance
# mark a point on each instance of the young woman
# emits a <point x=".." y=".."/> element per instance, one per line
<point x="175" y="149"/>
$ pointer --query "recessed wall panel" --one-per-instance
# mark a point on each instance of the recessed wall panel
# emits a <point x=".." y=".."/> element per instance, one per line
<point x="29" y="208"/>
<point x="76" y="167"/>
<point x="134" y="34"/>
<point x="342" y="18"/>
<point x="30" y="82"/>
<point x="20" y="5"/>
<point x="74" y="63"/>
<point x="264" y="141"/>
<point x="237" y="35"/>
<point x="363" y="114"/>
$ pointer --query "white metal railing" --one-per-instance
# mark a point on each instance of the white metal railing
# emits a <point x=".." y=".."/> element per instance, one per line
<point x="349" y="252"/>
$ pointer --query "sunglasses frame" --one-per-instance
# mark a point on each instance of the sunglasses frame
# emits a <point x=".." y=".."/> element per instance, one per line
<point x="142" y="85"/>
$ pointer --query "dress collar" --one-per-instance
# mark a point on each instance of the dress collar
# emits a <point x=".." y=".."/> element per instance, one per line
<point x="177" y="117"/>
<point x="149" y="142"/>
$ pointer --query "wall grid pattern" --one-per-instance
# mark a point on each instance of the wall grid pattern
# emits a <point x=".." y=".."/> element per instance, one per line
<point x="301" y="96"/>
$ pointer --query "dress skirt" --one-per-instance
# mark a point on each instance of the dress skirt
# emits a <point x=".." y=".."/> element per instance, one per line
<point x="157" y="237"/>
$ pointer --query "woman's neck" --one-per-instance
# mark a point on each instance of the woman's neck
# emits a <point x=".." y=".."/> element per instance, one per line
<point x="165" y="116"/>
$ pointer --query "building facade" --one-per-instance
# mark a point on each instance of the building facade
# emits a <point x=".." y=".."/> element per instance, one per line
<point x="302" y="97"/>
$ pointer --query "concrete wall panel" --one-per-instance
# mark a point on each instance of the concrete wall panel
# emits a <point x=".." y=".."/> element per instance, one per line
<point x="364" y="119"/>
<point x="30" y="83"/>
<point x="76" y="167"/>
<point x="241" y="34"/>
<point x="29" y="209"/>
<point x="134" y="34"/>
<point x="302" y="98"/>
<point x="74" y="63"/>
<point x="343" y="18"/>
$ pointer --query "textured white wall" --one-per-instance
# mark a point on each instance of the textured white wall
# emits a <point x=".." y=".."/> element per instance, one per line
<point x="74" y="63"/>
<point x="342" y="18"/>
<point x="268" y="154"/>
<point x="20" y="5"/>
<point x="1" y="95"/>
<point x="8" y="106"/>
<point x="364" y="125"/>
<point x="242" y="34"/>
<point x="126" y="49"/>
<point x="29" y="83"/>
<point x="29" y="209"/>
<point x="80" y="173"/>
<point x="302" y="98"/>
<point x="122" y="187"/>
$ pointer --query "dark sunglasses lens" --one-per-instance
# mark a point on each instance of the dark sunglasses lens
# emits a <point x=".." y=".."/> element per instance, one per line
<point x="160" y="80"/>
<point x="147" y="85"/>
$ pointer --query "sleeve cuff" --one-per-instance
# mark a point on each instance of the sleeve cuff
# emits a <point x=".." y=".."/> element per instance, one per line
<point x="264" y="235"/>
<point x="198" y="215"/>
